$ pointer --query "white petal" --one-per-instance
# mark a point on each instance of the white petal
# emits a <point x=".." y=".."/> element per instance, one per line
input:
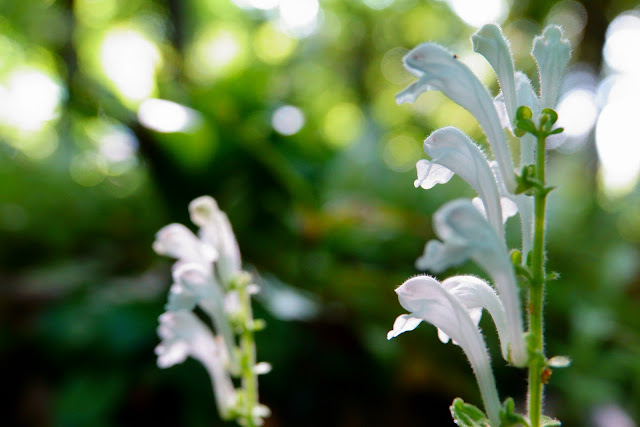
<point x="552" y="53"/>
<point x="430" y="174"/>
<point x="501" y="109"/>
<point x="215" y="230"/>
<point x="427" y="299"/>
<point x="437" y="256"/>
<point x="403" y="323"/>
<point x="183" y="333"/>
<point x="181" y="298"/>
<point x="463" y="230"/>
<point x="476" y="294"/>
<point x="177" y="241"/>
<point x="439" y="69"/>
<point x="527" y="96"/>
<point x="490" y="42"/>
<point x="451" y="148"/>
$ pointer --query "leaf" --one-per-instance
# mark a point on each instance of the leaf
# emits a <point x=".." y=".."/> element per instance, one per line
<point x="467" y="415"/>
<point x="550" y="422"/>
<point x="508" y="418"/>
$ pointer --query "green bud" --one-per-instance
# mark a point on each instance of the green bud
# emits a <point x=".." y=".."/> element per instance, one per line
<point x="524" y="113"/>
<point x="516" y="257"/>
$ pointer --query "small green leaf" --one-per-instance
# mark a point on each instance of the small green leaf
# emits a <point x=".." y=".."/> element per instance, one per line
<point x="467" y="415"/>
<point x="554" y="275"/>
<point x="556" y="130"/>
<point x="550" y="422"/>
<point x="508" y="416"/>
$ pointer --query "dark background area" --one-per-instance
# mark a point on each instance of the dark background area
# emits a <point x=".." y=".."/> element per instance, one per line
<point x="324" y="210"/>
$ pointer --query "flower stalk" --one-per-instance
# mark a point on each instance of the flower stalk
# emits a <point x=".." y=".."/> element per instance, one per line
<point x="536" y="292"/>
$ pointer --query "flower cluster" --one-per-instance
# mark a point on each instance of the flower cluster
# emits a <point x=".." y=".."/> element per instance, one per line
<point x="475" y="229"/>
<point x="208" y="275"/>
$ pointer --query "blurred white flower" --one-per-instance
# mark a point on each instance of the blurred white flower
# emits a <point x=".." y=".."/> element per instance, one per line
<point x="183" y="335"/>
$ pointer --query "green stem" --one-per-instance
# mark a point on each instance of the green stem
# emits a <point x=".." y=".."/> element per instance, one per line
<point x="536" y="294"/>
<point x="248" y="351"/>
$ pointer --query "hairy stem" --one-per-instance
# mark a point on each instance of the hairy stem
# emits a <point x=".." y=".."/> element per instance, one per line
<point x="536" y="294"/>
<point x="248" y="357"/>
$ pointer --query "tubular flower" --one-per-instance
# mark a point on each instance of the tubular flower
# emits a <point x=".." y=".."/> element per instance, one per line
<point x="438" y="69"/>
<point x="449" y="147"/>
<point x="183" y="335"/>
<point x="465" y="234"/>
<point x="428" y="300"/>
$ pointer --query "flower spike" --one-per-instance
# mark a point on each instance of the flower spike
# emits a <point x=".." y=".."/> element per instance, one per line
<point x="438" y="69"/>
<point x="427" y="299"/>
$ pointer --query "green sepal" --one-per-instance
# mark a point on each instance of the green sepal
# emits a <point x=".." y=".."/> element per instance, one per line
<point x="509" y="418"/>
<point x="556" y="130"/>
<point x="467" y="415"/>
<point x="549" y="422"/>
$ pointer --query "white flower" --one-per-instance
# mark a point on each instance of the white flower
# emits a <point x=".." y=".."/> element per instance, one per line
<point x="490" y="42"/>
<point x="475" y="294"/>
<point x="438" y="69"/>
<point x="183" y="335"/>
<point x="465" y="234"/>
<point x="427" y="299"/>
<point x="177" y="241"/>
<point x="216" y="231"/>
<point x="194" y="285"/>
<point x="451" y="148"/>
<point x="552" y="53"/>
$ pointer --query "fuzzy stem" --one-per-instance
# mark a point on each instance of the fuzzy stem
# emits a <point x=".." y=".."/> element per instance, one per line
<point x="249" y="377"/>
<point x="536" y="294"/>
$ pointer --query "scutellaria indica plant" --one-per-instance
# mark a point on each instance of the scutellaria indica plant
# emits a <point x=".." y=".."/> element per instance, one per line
<point x="474" y="229"/>
<point x="208" y="275"/>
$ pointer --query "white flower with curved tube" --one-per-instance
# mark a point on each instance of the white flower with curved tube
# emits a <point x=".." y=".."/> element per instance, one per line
<point x="194" y="285"/>
<point x="216" y="231"/>
<point x="438" y="69"/>
<point x="177" y="241"/>
<point x="490" y="42"/>
<point x="183" y="335"/>
<point x="552" y="53"/>
<point x="465" y="233"/>
<point x="427" y="299"/>
<point x="451" y="148"/>
<point x="476" y="294"/>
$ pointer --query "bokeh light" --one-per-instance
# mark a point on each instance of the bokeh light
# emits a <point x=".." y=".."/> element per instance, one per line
<point x="477" y="13"/>
<point x="167" y="117"/>
<point x="29" y="98"/>
<point x="621" y="46"/>
<point x="299" y="18"/>
<point x="129" y="60"/>
<point x="287" y="120"/>
<point x="343" y="124"/>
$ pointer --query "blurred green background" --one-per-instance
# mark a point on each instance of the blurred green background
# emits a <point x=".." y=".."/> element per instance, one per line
<point x="114" y="114"/>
